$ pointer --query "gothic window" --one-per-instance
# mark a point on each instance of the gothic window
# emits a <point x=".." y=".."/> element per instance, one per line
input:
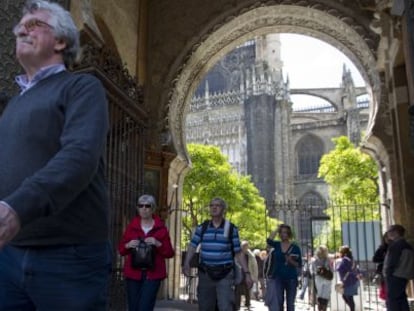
<point x="309" y="152"/>
<point x="314" y="200"/>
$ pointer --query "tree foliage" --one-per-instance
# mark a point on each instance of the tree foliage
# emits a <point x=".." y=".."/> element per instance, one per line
<point x="352" y="177"/>
<point x="350" y="174"/>
<point x="212" y="176"/>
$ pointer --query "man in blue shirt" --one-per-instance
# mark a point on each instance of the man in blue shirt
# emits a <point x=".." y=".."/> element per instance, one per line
<point x="220" y="244"/>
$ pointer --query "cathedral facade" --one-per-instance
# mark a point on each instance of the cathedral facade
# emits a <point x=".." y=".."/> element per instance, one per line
<point x="243" y="105"/>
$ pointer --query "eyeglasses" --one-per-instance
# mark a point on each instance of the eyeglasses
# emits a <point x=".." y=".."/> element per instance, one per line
<point x="213" y="205"/>
<point x="144" y="205"/>
<point x="30" y="25"/>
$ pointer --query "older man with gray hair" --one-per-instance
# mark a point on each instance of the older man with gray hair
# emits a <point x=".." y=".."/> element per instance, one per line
<point x="220" y="247"/>
<point x="54" y="250"/>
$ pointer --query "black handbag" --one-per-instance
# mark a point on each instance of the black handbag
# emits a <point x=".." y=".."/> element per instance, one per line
<point x="325" y="273"/>
<point x="143" y="256"/>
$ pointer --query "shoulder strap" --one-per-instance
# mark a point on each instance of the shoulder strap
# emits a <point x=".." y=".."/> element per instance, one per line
<point x="267" y="266"/>
<point x="204" y="227"/>
<point x="290" y="249"/>
<point x="231" y="238"/>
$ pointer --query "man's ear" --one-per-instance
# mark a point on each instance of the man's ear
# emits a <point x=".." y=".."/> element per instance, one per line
<point x="60" y="45"/>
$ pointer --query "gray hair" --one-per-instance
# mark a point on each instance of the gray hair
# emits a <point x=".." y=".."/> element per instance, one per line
<point x="322" y="252"/>
<point x="64" y="27"/>
<point x="147" y="199"/>
<point x="220" y="201"/>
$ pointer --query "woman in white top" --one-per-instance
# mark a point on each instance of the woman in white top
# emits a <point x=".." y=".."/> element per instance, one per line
<point x="321" y="268"/>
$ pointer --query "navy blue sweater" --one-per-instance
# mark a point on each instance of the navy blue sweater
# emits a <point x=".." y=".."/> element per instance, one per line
<point x="53" y="140"/>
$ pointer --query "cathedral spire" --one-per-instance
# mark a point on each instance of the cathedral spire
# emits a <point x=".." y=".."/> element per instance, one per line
<point x="207" y="95"/>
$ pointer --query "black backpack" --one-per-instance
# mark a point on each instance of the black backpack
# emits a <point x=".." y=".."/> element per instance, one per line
<point x="195" y="261"/>
<point x="204" y="227"/>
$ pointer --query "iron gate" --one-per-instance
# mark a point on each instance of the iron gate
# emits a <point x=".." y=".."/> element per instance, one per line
<point x="333" y="224"/>
<point x="330" y="223"/>
<point x="125" y="147"/>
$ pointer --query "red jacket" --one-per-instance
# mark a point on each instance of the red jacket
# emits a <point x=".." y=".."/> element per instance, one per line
<point x="160" y="232"/>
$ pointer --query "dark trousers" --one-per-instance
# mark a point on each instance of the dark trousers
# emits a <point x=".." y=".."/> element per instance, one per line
<point x="64" y="278"/>
<point x="142" y="294"/>
<point x="241" y="289"/>
<point x="396" y="294"/>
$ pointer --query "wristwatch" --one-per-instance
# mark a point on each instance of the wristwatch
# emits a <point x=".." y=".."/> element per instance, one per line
<point x="247" y="272"/>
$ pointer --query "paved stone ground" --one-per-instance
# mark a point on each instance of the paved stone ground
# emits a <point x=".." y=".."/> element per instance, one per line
<point x="301" y="305"/>
<point x="174" y="305"/>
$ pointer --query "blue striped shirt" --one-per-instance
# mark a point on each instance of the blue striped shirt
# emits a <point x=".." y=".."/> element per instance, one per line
<point x="215" y="247"/>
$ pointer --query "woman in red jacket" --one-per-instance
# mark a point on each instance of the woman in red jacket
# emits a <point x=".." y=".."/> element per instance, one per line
<point x="142" y="284"/>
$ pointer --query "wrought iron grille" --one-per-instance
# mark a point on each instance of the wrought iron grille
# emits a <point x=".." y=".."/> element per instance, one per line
<point x="125" y="146"/>
<point x="125" y="171"/>
<point x="331" y="223"/>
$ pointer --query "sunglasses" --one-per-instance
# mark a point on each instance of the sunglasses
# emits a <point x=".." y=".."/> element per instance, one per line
<point x="31" y="25"/>
<point x="144" y="205"/>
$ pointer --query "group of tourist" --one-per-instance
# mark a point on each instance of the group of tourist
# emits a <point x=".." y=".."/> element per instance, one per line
<point x="392" y="287"/>
<point x="54" y="250"/>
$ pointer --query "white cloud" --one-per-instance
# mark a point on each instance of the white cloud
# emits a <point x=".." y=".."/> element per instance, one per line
<point x="312" y="63"/>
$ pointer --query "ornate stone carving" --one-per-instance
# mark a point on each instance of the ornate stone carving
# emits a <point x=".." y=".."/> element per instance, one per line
<point x="10" y="12"/>
<point x="95" y="54"/>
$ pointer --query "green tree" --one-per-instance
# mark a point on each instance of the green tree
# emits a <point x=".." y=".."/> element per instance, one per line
<point x="351" y="174"/>
<point x="352" y="177"/>
<point x="212" y="176"/>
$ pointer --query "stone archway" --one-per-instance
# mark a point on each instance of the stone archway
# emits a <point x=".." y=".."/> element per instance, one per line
<point x="324" y="23"/>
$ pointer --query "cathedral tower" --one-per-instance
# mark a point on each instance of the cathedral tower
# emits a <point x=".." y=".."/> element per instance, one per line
<point x="267" y="118"/>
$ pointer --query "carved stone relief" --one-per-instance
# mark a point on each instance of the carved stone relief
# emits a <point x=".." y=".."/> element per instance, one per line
<point x="98" y="56"/>
<point x="10" y="12"/>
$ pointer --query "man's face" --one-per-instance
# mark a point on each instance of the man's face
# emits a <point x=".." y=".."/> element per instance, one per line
<point x="36" y="45"/>
<point x="216" y="209"/>
<point x="391" y="235"/>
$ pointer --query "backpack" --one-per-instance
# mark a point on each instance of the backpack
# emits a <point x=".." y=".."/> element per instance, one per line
<point x="238" y="274"/>
<point x="204" y="227"/>
<point x="143" y="256"/>
<point x="405" y="267"/>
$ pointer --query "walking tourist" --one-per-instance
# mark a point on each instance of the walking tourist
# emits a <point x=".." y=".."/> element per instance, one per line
<point x="242" y="289"/>
<point x="287" y="262"/>
<point x="321" y="267"/>
<point x="396" y="283"/>
<point x="348" y="275"/>
<point x="148" y="235"/>
<point x="220" y="244"/>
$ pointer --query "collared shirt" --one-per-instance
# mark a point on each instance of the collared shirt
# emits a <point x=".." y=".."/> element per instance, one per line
<point x="216" y="245"/>
<point x="44" y="72"/>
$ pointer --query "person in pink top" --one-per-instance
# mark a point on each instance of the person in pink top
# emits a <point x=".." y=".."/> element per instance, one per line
<point x="142" y="284"/>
